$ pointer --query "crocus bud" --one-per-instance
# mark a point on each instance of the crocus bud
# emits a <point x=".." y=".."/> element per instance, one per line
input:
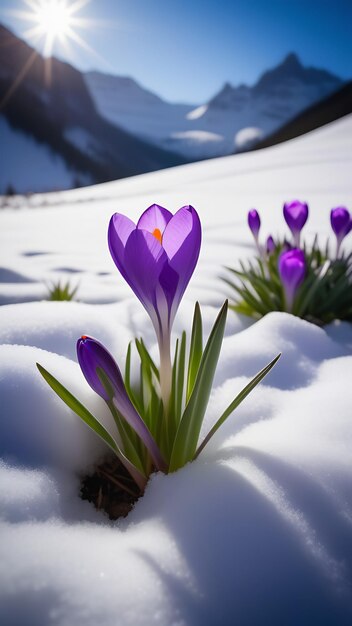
<point x="98" y="365"/>
<point x="292" y="270"/>
<point x="270" y="246"/>
<point x="92" y="357"/>
<point x="296" y="215"/>
<point x="341" y="224"/>
<point x="254" y="223"/>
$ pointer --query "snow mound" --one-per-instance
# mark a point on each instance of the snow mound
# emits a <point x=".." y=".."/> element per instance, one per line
<point x="266" y="510"/>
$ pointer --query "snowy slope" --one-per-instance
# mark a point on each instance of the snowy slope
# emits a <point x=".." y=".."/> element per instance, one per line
<point x="259" y="529"/>
<point x="31" y="158"/>
<point x="216" y="127"/>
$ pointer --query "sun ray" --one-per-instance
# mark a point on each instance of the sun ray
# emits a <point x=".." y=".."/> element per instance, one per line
<point x="51" y="22"/>
<point x="83" y="44"/>
<point x="19" y="78"/>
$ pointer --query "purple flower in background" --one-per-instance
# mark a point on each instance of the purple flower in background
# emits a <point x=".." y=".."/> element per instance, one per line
<point x="341" y="223"/>
<point x="157" y="258"/>
<point x="292" y="270"/>
<point x="270" y="246"/>
<point x="296" y="215"/>
<point x="103" y="375"/>
<point x="254" y="222"/>
<point x="254" y="225"/>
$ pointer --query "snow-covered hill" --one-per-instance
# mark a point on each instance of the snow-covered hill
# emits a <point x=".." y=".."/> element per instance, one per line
<point x="259" y="529"/>
<point x="232" y="118"/>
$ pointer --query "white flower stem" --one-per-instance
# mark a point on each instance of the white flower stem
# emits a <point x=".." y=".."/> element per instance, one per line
<point x="289" y="299"/>
<point x="165" y="371"/>
<point x="297" y="239"/>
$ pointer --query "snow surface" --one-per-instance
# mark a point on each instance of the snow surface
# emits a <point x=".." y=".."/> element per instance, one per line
<point x="32" y="158"/>
<point x="259" y="529"/>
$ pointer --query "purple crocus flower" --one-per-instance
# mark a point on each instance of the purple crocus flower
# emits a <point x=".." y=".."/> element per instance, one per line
<point x="94" y="358"/>
<point x="254" y="222"/>
<point x="270" y="245"/>
<point x="157" y="258"/>
<point x="254" y="225"/>
<point x="292" y="270"/>
<point x="341" y="224"/>
<point x="296" y="215"/>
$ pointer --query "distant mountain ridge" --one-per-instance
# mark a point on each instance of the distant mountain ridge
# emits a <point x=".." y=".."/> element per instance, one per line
<point x="60" y="118"/>
<point x="332" y="108"/>
<point x="212" y="128"/>
<point x="88" y="128"/>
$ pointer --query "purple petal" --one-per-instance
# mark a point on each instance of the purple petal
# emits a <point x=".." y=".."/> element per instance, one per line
<point x="296" y="215"/>
<point x="270" y="245"/>
<point x="340" y="221"/>
<point x="155" y="217"/>
<point x="169" y="280"/>
<point x="144" y="260"/>
<point x="182" y="224"/>
<point x="120" y="228"/>
<point x="292" y="270"/>
<point x="181" y="242"/>
<point x="254" y="222"/>
<point x="91" y="355"/>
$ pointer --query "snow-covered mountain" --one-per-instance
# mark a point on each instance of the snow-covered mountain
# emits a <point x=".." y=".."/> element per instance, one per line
<point x="231" y="119"/>
<point x="54" y="136"/>
<point x="124" y="102"/>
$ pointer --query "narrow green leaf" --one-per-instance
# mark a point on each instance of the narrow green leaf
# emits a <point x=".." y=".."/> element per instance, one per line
<point x="129" y="439"/>
<point x="93" y="423"/>
<point x="195" y="351"/>
<point x="235" y="403"/>
<point x="188" y="431"/>
<point x="145" y="356"/>
<point x="128" y="368"/>
<point x="180" y="379"/>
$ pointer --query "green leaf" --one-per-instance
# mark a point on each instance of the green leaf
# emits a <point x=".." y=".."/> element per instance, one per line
<point x="236" y="402"/>
<point x="93" y="423"/>
<point x="145" y="357"/>
<point x="188" y="431"/>
<point x="180" y="379"/>
<point x="128" y="368"/>
<point x="129" y="439"/>
<point x="195" y="351"/>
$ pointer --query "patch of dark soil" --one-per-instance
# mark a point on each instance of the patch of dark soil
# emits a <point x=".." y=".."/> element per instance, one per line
<point x="110" y="489"/>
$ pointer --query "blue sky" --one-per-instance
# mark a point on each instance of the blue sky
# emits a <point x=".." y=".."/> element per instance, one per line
<point x="185" y="50"/>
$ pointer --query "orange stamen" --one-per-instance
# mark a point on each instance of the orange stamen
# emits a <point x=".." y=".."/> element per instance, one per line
<point x="84" y="337"/>
<point x="157" y="234"/>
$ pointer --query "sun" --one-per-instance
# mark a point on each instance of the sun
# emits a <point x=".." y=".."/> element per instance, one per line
<point x="54" y="18"/>
<point x="52" y="22"/>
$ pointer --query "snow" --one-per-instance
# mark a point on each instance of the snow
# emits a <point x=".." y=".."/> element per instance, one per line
<point x="197" y="112"/>
<point x="32" y="159"/>
<point x="247" y="136"/>
<point x="259" y="529"/>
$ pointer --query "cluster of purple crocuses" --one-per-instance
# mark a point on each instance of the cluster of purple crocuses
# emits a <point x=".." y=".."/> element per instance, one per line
<point x="292" y="263"/>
